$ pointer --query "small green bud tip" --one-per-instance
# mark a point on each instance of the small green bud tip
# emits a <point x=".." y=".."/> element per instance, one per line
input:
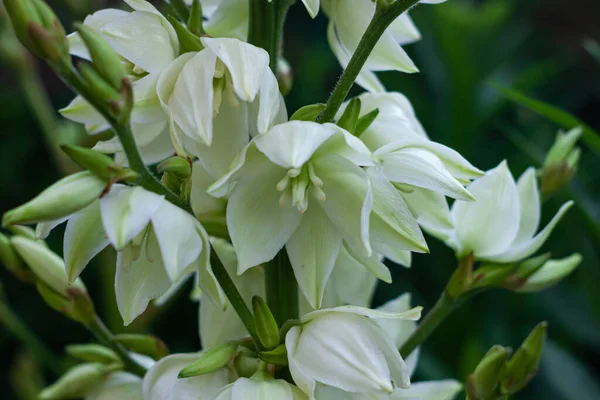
<point x="149" y="345"/>
<point x="266" y="326"/>
<point x="211" y="361"/>
<point x="76" y="383"/>
<point x="178" y="166"/>
<point x="365" y="122"/>
<point x="308" y="113"/>
<point x="93" y="353"/>
<point x="562" y="147"/>
<point x="483" y="382"/>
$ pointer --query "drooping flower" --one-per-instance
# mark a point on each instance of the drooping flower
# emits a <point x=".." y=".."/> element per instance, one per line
<point x="346" y="349"/>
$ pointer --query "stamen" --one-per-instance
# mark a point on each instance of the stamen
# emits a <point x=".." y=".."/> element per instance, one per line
<point x="285" y="198"/>
<point x="318" y="193"/>
<point x="283" y="184"/>
<point x="313" y="176"/>
<point x="294" y="172"/>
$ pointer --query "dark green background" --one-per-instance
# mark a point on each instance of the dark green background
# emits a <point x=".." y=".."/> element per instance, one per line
<point x="535" y="46"/>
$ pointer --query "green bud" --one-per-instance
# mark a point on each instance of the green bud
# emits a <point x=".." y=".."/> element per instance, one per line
<point x="246" y="365"/>
<point x="211" y="361"/>
<point x="60" y="200"/>
<point x="54" y="300"/>
<point x="523" y="365"/>
<point x="76" y="383"/>
<point x="25" y="231"/>
<point x="551" y="272"/>
<point x="93" y="353"/>
<point x="178" y="166"/>
<point x="171" y="181"/>
<point x="11" y="260"/>
<point x="77" y="305"/>
<point x="365" y="122"/>
<point x="196" y="21"/>
<point x="489" y="275"/>
<point x="349" y="118"/>
<point x="308" y="113"/>
<point x="106" y="61"/>
<point x="99" y="163"/>
<point x="266" y="326"/>
<point x="562" y="147"/>
<point x="483" y="382"/>
<point x="285" y="76"/>
<point x="524" y="270"/>
<point x="276" y="356"/>
<point x="100" y="88"/>
<point x="561" y="162"/>
<point x="149" y="345"/>
<point x="188" y="41"/>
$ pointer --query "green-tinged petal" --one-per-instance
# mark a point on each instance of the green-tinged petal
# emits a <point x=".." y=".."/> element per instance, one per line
<point x="271" y="106"/>
<point x="345" y="144"/>
<point x="421" y="168"/>
<point x="434" y="390"/>
<point x="143" y="134"/>
<point x="391" y="220"/>
<point x="394" y="254"/>
<point x="96" y="20"/>
<point x="301" y="376"/>
<point x="84" y="239"/>
<point x="179" y="242"/>
<point x="161" y="382"/>
<point x="142" y="5"/>
<point x="226" y="18"/>
<point x="147" y="108"/>
<point x="374" y="264"/>
<point x="223" y="186"/>
<point x="552" y="272"/>
<point x="250" y="389"/>
<point x="202" y="202"/>
<point x="191" y="102"/>
<point x="404" y="30"/>
<point x="126" y="211"/>
<point x="142" y="38"/>
<point x="140" y="277"/>
<point x="246" y="64"/>
<point x="528" y="247"/>
<point x="399" y="370"/>
<point x="431" y="210"/>
<point x="155" y="151"/>
<point x="312" y="6"/>
<point x="118" y="385"/>
<point x="325" y="392"/>
<point x="529" y="199"/>
<point x="313" y="250"/>
<point x="349" y="199"/>
<point x="292" y="144"/>
<point x="490" y="224"/>
<point x="79" y="110"/>
<point x="413" y="314"/>
<point x="259" y="226"/>
<point x="43" y="229"/>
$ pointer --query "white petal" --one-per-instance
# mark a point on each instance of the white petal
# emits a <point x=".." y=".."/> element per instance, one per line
<point x="413" y="314"/>
<point x="226" y="18"/>
<point x="404" y="30"/>
<point x="79" y="110"/>
<point x="143" y="134"/>
<point x="292" y="144"/>
<point x="126" y="211"/>
<point x="139" y="280"/>
<point x="147" y="108"/>
<point x="161" y="382"/>
<point x="529" y="199"/>
<point x="431" y="210"/>
<point x="97" y="20"/>
<point x="399" y="370"/>
<point x="424" y="169"/>
<point x="246" y="64"/>
<point x="349" y="199"/>
<point x="202" y="202"/>
<point x="43" y="229"/>
<point x="223" y="186"/>
<point x="398" y="256"/>
<point x="312" y="6"/>
<point x="345" y="144"/>
<point x="118" y="385"/>
<point x="301" y="376"/>
<point x="259" y="226"/>
<point x="490" y="224"/>
<point x="434" y="390"/>
<point x="313" y="249"/>
<point x="271" y="106"/>
<point x="527" y="248"/>
<point x="84" y="238"/>
<point x="249" y="389"/>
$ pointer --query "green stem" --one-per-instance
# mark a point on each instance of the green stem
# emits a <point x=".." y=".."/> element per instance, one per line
<point x="281" y="288"/>
<point x="384" y="15"/>
<point x="266" y="26"/>
<point x="105" y="336"/>
<point x="234" y="296"/>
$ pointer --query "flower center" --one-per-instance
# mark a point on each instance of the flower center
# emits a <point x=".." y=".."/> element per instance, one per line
<point x="223" y="88"/>
<point x="296" y="186"/>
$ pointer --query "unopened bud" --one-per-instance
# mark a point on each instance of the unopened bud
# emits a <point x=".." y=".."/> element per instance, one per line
<point x="25" y="231"/>
<point x="246" y="365"/>
<point x="77" y="306"/>
<point x="149" y="345"/>
<point x="45" y="264"/>
<point x="178" y="166"/>
<point x="266" y="326"/>
<point x="12" y="261"/>
<point x="524" y="270"/>
<point x="308" y="113"/>
<point x="106" y="61"/>
<point x="523" y="365"/>
<point x="276" y="356"/>
<point x="483" y="382"/>
<point x="100" y="88"/>
<point x="285" y="76"/>
<point x="562" y="147"/>
<point x="60" y="200"/>
<point x="349" y="118"/>
<point x="552" y="272"/>
<point x="365" y="122"/>
<point x="99" y="163"/>
<point x="489" y="275"/>
<point x="561" y="162"/>
<point x="76" y="383"/>
<point x="212" y="360"/>
<point x="188" y="41"/>
<point x="93" y="353"/>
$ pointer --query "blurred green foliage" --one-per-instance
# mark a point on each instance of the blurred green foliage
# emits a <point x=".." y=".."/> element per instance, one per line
<point x="536" y="47"/>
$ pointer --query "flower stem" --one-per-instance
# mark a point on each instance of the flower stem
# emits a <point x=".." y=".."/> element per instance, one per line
<point x="266" y="26"/>
<point x="281" y="288"/>
<point x="105" y="336"/>
<point x="234" y="296"/>
<point x="384" y="15"/>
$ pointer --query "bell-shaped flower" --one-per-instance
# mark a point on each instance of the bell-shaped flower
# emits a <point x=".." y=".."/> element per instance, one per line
<point x="161" y="382"/>
<point x="296" y="186"/>
<point x="258" y="387"/>
<point x="345" y="348"/>
<point x="501" y="225"/>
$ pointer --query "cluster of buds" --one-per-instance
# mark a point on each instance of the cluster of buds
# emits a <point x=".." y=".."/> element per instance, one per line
<point x="560" y="164"/>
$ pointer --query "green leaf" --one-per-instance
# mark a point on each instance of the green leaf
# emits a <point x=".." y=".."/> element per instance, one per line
<point x="590" y="136"/>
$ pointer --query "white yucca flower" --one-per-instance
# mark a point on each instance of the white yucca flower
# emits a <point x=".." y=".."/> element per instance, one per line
<point x="260" y="387"/>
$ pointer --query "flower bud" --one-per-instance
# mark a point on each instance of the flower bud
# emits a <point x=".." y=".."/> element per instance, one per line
<point x="561" y="161"/>
<point x="308" y="113"/>
<point x="93" y="353"/>
<point x="483" y="382"/>
<point x="99" y="163"/>
<point x="562" y="147"/>
<point x="60" y="200"/>
<point x="523" y="365"/>
<point x="349" y="118"/>
<point x="285" y="77"/>
<point x="76" y="383"/>
<point x="276" y="356"/>
<point x="178" y="166"/>
<point x="12" y="261"/>
<point x="100" y="88"/>
<point x="523" y="271"/>
<point x="106" y="61"/>
<point x="149" y="345"/>
<point x="24" y="231"/>
<point x="551" y="272"/>
<point x="491" y="275"/>
<point x="266" y="326"/>
<point x="211" y="361"/>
